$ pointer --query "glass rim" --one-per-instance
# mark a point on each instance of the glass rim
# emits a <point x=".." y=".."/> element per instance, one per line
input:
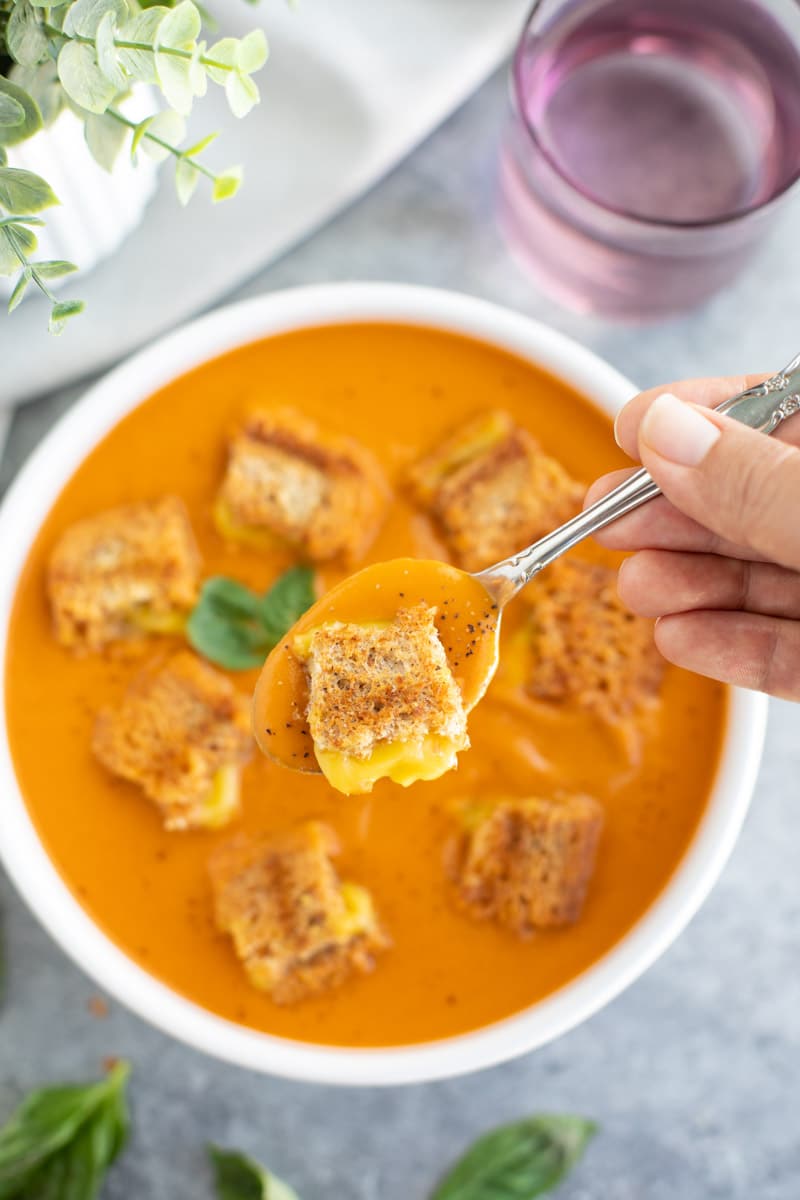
<point x="729" y="218"/>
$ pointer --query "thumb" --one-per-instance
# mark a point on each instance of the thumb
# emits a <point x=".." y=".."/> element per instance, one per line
<point x="740" y="484"/>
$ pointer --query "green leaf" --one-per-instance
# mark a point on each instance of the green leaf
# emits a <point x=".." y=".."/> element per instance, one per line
<point x="187" y="178"/>
<point x="105" y="138"/>
<point x="252" y="52"/>
<point x="20" y="288"/>
<point x="234" y="627"/>
<point x="60" y="313"/>
<point x="106" y="50"/>
<point x="84" y="16"/>
<point x="31" y="122"/>
<point x="180" y="28"/>
<point x="141" y="64"/>
<point x="227" y="184"/>
<point x="11" y="111"/>
<point x="169" y="127"/>
<point x="224" y="52"/>
<point x="41" y="87"/>
<point x="177" y="76"/>
<point x="519" y="1161"/>
<point x="24" y="219"/>
<point x="238" y="1177"/>
<point x="82" y="79"/>
<point x="241" y="93"/>
<point x="198" y="80"/>
<point x="3" y="157"/>
<point x="26" y="39"/>
<point x="175" y="81"/>
<point x="9" y="236"/>
<point x="22" y="191"/>
<point x="199" y="147"/>
<point x="286" y="601"/>
<point x="55" y="268"/>
<point x="61" y="1140"/>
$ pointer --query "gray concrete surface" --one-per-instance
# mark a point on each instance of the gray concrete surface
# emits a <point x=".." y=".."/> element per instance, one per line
<point x="693" y="1073"/>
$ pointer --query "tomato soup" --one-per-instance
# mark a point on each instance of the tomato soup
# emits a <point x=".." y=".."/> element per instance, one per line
<point x="397" y="389"/>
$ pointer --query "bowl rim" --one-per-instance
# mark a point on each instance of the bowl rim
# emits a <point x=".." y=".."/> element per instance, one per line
<point x="30" y="498"/>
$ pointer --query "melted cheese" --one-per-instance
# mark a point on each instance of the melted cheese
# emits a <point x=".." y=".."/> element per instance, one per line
<point x="222" y="802"/>
<point x="149" y="621"/>
<point x="257" y="537"/>
<point x="402" y="762"/>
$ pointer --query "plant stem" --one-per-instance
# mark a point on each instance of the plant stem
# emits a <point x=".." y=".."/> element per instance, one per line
<point x="145" y="47"/>
<point x="28" y="266"/>
<point x="116" y="115"/>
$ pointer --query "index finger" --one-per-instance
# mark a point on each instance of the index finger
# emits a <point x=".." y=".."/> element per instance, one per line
<point x="707" y="392"/>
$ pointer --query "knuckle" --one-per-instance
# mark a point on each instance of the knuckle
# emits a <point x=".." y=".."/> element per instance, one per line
<point x="761" y="493"/>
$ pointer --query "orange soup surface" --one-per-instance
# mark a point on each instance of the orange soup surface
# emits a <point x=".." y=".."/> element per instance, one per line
<point x="397" y="389"/>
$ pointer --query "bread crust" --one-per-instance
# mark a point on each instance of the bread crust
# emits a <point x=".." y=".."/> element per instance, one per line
<point x="297" y="929"/>
<point x="131" y="559"/>
<point x="178" y="724"/>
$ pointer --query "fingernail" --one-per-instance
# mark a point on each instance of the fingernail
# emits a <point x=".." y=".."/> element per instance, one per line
<point x="677" y="431"/>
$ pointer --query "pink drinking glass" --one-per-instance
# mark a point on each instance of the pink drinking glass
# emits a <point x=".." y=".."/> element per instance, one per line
<point x="649" y="146"/>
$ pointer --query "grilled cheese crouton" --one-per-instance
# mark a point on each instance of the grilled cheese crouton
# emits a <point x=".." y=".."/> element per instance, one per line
<point x="129" y="570"/>
<point x="382" y="701"/>
<point x="585" y="648"/>
<point x="182" y="734"/>
<point x="527" y="863"/>
<point x="288" y="480"/>
<point x="492" y="490"/>
<point x="297" y="929"/>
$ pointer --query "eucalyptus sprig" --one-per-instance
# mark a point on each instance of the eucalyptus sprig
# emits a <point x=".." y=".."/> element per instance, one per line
<point x="86" y="55"/>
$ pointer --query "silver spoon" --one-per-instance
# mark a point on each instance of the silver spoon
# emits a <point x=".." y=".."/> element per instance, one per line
<point x="280" y="698"/>
<point x="762" y="408"/>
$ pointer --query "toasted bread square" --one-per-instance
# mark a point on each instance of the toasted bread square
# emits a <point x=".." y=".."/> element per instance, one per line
<point x="131" y="569"/>
<point x="586" y="648"/>
<point x="182" y="734"/>
<point x="527" y="863"/>
<point x="379" y="683"/>
<point x="492" y="490"/>
<point x="296" y="927"/>
<point x="287" y="479"/>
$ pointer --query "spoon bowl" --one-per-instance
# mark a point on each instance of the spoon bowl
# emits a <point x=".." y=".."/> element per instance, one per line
<point x="468" y="623"/>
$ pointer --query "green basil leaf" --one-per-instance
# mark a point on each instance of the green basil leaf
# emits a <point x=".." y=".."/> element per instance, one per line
<point x="61" y="1140"/>
<point x="31" y="120"/>
<point x="232" y="626"/>
<point x="238" y="1177"/>
<point x="231" y="598"/>
<point x="518" y="1161"/>
<point x="287" y="600"/>
<point x="225" y="625"/>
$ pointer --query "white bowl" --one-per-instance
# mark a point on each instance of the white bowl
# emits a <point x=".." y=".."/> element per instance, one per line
<point x="25" y="507"/>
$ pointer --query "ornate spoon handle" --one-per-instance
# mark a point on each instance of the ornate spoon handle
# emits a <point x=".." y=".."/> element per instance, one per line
<point x="763" y="408"/>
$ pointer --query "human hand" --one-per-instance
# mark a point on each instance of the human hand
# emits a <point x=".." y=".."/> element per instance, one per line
<point x="717" y="557"/>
